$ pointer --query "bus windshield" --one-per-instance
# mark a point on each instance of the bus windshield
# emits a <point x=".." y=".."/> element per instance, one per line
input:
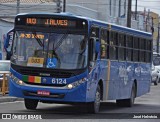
<point x="50" y="50"/>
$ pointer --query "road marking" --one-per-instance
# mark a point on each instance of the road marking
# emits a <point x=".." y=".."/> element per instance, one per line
<point x="11" y="102"/>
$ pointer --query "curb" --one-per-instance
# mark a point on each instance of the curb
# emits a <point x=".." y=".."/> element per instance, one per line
<point x="9" y="99"/>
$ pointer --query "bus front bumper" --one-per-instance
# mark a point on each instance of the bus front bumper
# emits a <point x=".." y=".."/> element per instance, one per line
<point x="77" y="94"/>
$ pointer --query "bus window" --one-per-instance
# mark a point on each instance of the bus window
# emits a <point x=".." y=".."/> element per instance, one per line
<point x="121" y="40"/>
<point x="121" y="49"/>
<point x="129" y="41"/>
<point x="113" y="38"/>
<point x="136" y="43"/>
<point x="95" y="32"/>
<point x="113" y="43"/>
<point x="104" y="44"/>
<point x="147" y="57"/>
<point x="148" y="44"/>
<point x="142" y="44"/>
<point x="129" y="55"/>
<point x="121" y="54"/>
<point x="135" y="55"/>
<point x="142" y="56"/>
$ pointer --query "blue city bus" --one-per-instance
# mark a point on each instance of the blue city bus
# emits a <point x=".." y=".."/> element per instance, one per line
<point x="64" y="58"/>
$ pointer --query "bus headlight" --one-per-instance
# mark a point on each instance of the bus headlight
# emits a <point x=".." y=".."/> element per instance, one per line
<point x="70" y="86"/>
<point x="16" y="80"/>
<point x="77" y="83"/>
<point x="20" y="82"/>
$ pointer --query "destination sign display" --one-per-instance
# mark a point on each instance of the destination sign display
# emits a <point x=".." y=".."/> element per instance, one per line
<point x="29" y="36"/>
<point x="51" y="22"/>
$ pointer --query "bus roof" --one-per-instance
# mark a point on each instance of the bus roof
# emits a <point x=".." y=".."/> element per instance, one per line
<point x="94" y="21"/>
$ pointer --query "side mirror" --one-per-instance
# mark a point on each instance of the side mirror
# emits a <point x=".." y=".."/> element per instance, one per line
<point x="8" y="43"/>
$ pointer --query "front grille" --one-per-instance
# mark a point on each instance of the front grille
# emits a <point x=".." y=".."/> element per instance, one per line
<point x="56" y="73"/>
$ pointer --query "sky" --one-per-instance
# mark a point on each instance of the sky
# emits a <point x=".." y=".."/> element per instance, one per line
<point x="153" y="5"/>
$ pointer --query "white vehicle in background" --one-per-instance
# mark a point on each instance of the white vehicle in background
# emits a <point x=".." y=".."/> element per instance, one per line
<point x="155" y="75"/>
<point x="156" y="62"/>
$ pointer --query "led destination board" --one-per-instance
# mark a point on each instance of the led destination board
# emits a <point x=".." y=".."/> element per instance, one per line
<point x="51" y="22"/>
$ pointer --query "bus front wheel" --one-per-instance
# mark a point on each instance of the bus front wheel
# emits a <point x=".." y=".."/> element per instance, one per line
<point x="93" y="107"/>
<point x="30" y="104"/>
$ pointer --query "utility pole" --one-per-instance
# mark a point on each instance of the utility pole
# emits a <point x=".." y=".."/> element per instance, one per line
<point x="129" y="14"/>
<point x="136" y="11"/>
<point x="64" y="5"/>
<point x="59" y="7"/>
<point x="18" y="5"/>
<point x="147" y="20"/>
<point x="152" y="27"/>
<point x="158" y="38"/>
<point x="119" y="13"/>
<point x="110" y="7"/>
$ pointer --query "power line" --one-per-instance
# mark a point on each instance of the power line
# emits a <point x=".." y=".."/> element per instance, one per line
<point x="147" y="0"/>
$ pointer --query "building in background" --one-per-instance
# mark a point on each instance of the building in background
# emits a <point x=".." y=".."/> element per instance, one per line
<point x="148" y="21"/>
<point x="114" y="11"/>
<point x="153" y="22"/>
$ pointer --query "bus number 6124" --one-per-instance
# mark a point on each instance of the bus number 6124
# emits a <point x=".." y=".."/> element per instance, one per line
<point x="59" y="81"/>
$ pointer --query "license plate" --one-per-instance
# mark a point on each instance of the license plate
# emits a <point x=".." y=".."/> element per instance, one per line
<point x="43" y="93"/>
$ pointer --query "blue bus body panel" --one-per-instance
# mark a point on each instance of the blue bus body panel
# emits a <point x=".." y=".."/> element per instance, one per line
<point x="122" y="76"/>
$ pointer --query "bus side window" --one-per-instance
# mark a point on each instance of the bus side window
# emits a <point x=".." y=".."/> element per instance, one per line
<point x="148" y="53"/>
<point x="121" y="48"/>
<point x="104" y="44"/>
<point x="113" y="45"/>
<point x="142" y="48"/>
<point x="129" y="45"/>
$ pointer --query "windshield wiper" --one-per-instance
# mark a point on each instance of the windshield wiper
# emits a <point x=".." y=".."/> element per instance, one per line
<point x="37" y="39"/>
<point x="60" y="41"/>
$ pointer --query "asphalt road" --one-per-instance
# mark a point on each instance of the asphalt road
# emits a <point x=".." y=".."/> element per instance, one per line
<point x="145" y="106"/>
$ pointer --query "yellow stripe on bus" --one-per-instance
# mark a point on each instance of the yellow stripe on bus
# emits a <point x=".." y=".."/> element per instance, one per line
<point x="108" y="78"/>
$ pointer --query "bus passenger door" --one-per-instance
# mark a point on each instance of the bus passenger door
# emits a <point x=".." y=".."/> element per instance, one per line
<point x="93" y="65"/>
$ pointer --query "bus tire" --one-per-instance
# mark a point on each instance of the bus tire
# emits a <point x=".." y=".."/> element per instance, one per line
<point x="156" y="82"/>
<point x="128" y="102"/>
<point x="93" y="107"/>
<point x="30" y="104"/>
